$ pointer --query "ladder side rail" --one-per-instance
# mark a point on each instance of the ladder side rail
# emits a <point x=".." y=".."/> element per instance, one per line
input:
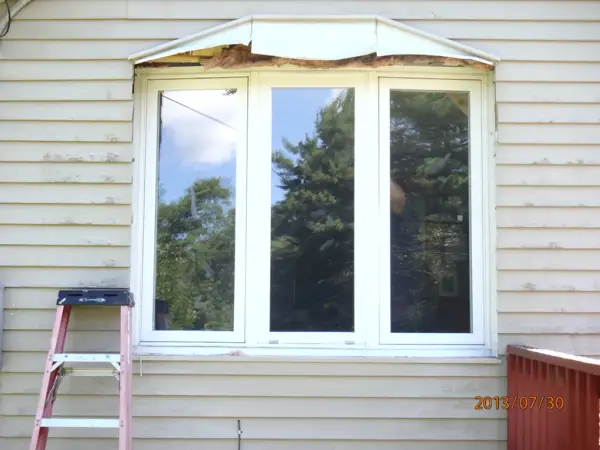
<point x="44" y="409"/>
<point x="125" y="383"/>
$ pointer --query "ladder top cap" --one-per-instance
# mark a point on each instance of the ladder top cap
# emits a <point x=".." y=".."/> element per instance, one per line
<point x="95" y="297"/>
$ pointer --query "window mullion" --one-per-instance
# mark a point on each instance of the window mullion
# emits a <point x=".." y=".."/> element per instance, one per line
<point x="239" y="308"/>
<point x="366" y="199"/>
<point x="258" y="224"/>
<point x="383" y="213"/>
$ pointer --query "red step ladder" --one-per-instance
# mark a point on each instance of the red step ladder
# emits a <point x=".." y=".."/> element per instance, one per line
<point x="118" y="365"/>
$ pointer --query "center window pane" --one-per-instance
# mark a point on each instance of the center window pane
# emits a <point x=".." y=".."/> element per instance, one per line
<point x="312" y="210"/>
<point x="430" y="264"/>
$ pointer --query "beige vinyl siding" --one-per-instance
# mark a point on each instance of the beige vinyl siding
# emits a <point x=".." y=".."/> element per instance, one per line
<point x="65" y="193"/>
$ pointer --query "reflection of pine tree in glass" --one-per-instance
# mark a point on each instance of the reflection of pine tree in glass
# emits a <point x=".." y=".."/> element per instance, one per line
<point x="429" y="161"/>
<point x="195" y="257"/>
<point x="312" y="252"/>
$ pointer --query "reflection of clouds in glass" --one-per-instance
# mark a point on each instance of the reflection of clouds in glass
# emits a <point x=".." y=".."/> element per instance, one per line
<point x="333" y="94"/>
<point x="198" y="137"/>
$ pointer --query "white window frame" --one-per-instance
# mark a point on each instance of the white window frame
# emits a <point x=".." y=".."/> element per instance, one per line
<point x="150" y="188"/>
<point x="259" y="218"/>
<point x="370" y="337"/>
<point x="476" y="206"/>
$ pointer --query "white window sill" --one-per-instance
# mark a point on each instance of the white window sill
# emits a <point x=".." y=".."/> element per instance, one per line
<point x="411" y="353"/>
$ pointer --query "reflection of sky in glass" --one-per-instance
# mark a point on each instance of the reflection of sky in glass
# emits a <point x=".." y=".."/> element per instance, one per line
<point x="294" y="115"/>
<point x="195" y="146"/>
<point x="197" y="139"/>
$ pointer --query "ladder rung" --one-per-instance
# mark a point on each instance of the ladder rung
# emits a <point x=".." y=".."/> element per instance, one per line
<point x="80" y="372"/>
<point x="87" y="357"/>
<point x="80" y="423"/>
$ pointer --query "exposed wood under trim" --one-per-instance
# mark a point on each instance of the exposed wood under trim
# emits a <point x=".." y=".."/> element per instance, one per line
<point x="241" y="56"/>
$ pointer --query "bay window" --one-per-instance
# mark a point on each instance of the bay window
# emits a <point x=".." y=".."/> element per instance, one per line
<point x="314" y="213"/>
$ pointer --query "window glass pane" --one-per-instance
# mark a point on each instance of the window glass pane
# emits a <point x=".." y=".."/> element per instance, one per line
<point x="430" y="273"/>
<point x="196" y="211"/>
<point x="312" y="236"/>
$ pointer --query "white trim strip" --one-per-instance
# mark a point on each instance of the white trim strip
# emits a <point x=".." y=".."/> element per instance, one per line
<point x="310" y="352"/>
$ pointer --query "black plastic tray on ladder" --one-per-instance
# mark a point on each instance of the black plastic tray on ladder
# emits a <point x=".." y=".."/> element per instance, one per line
<point x="99" y="297"/>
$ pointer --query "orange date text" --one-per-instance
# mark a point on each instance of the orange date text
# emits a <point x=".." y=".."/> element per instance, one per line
<point x="520" y="402"/>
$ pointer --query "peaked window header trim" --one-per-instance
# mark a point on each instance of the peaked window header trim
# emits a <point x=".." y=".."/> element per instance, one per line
<point x="318" y="38"/>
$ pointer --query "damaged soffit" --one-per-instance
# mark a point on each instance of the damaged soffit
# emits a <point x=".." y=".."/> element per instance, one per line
<point x="305" y="40"/>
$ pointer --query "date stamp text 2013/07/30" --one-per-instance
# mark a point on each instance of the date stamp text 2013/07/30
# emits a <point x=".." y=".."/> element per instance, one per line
<point x="519" y="402"/>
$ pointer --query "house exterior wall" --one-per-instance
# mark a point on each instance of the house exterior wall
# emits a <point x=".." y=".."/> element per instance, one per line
<point x="66" y="108"/>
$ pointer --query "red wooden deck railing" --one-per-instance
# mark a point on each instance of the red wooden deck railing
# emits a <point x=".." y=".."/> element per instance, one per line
<point x="552" y="401"/>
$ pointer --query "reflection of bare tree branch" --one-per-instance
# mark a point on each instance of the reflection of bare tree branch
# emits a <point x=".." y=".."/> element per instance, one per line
<point x="199" y="112"/>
